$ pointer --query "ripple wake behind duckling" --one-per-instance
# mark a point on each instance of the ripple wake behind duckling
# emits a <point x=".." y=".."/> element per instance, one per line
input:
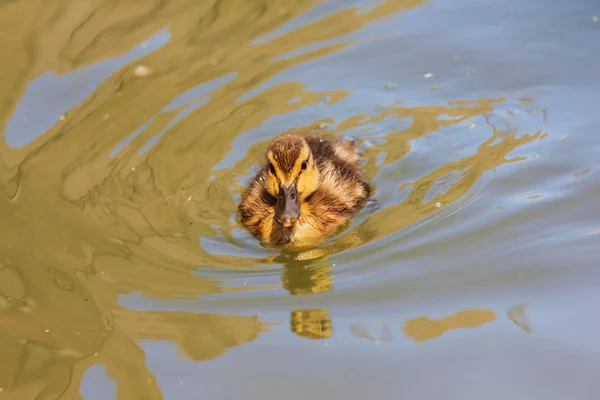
<point x="307" y="188"/>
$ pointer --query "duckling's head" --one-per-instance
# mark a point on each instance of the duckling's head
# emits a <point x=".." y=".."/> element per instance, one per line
<point x="292" y="176"/>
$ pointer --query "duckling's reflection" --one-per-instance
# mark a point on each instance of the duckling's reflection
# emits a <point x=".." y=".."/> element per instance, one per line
<point x="304" y="277"/>
<point x="311" y="323"/>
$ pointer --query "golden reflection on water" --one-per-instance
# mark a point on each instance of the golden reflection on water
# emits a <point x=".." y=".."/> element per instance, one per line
<point x="423" y="328"/>
<point x="85" y="221"/>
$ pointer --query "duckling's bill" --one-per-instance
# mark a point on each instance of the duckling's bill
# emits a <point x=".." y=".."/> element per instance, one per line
<point x="287" y="209"/>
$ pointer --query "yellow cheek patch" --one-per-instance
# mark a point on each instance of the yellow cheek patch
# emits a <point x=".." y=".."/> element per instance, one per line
<point x="272" y="186"/>
<point x="308" y="182"/>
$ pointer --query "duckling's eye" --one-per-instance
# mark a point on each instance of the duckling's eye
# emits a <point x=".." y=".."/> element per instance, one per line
<point x="272" y="168"/>
<point x="304" y="164"/>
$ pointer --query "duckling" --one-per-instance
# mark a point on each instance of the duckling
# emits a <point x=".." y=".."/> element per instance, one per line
<point x="307" y="188"/>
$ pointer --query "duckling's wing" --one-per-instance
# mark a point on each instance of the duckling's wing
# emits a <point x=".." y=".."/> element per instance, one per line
<point x="341" y="180"/>
<point x="325" y="149"/>
<point x="347" y="151"/>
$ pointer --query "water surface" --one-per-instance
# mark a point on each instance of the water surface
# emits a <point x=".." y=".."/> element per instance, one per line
<point x="130" y="129"/>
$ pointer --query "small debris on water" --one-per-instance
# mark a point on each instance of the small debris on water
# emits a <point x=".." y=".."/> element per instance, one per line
<point x="47" y="330"/>
<point x="563" y="137"/>
<point x="142" y="71"/>
<point x="438" y="204"/>
<point x="594" y="19"/>
<point x="189" y="198"/>
<point x="582" y="173"/>
<point x="322" y="125"/>
<point x="246" y="283"/>
<point x="428" y="75"/>
<point x="390" y="86"/>
<point x="472" y="126"/>
<point x="518" y="315"/>
<point x="434" y="87"/>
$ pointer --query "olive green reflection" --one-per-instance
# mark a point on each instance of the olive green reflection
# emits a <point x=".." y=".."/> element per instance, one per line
<point x="199" y="336"/>
<point x="82" y="226"/>
<point x="304" y="277"/>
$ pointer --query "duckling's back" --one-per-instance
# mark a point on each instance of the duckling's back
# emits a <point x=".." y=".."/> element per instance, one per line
<point x="338" y="163"/>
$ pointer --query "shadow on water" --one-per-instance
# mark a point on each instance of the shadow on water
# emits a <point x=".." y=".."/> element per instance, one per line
<point x="112" y="196"/>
